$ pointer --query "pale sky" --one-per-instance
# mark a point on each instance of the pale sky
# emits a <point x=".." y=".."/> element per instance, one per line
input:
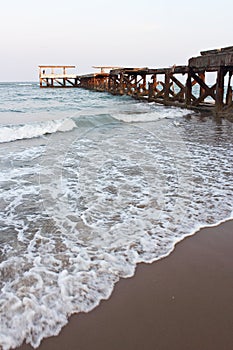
<point x="130" y="33"/>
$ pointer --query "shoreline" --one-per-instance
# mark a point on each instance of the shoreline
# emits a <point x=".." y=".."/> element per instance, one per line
<point x="183" y="301"/>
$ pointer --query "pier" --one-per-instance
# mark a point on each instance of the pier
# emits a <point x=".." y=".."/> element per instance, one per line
<point x="203" y="84"/>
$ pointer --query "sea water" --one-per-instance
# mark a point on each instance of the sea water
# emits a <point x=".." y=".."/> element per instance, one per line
<point x="91" y="185"/>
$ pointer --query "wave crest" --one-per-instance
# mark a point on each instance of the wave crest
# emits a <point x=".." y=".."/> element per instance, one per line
<point x="27" y="131"/>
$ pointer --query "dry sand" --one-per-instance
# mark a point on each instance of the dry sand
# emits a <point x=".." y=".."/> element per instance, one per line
<point x="182" y="302"/>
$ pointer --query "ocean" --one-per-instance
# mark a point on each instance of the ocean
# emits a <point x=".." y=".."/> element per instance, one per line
<point x="91" y="185"/>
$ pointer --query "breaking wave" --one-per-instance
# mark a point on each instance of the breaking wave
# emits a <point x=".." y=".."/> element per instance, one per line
<point x="10" y="133"/>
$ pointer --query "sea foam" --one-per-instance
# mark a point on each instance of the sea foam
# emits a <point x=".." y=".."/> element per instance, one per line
<point x="82" y="210"/>
<point x="10" y="133"/>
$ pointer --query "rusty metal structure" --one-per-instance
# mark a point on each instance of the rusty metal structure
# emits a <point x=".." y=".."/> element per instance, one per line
<point x="95" y="81"/>
<point x="184" y="86"/>
<point x="221" y="62"/>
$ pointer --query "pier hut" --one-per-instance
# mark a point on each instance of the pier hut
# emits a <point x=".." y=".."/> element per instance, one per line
<point x="57" y="76"/>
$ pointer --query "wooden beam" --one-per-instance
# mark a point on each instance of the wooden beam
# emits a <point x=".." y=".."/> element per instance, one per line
<point x="220" y="89"/>
<point x="209" y="62"/>
<point x="57" y="81"/>
<point x="202" y="97"/>
<point x="217" y="51"/>
<point x="167" y="86"/>
<point x="52" y="66"/>
<point x="210" y="91"/>
<point x="229" y="90"/>
<point x="202" y="77"/>
<point x="188" y="89"/>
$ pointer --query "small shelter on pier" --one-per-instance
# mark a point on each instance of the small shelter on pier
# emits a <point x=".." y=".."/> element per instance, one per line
<point x="105" y="69"/>
<point x="57" y="76"/>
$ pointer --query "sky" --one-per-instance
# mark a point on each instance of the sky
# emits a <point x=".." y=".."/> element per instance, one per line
<point x="128" y="33"/>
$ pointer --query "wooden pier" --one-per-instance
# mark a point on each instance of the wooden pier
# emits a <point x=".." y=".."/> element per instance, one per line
<point x="183" y="86"/>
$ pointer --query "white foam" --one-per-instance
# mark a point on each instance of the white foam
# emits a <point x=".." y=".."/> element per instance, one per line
<point x="83" y="210"/>
<point x="149" y="112"/>
<point x="30" y="130"/>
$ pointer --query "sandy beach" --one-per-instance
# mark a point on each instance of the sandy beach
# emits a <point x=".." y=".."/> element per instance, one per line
<point x="184" y="301"/>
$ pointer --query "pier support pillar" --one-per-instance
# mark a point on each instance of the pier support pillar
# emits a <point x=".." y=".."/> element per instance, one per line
<point x="188" y="89"/>
<point x="229" y="90"/>
<point x="220" y="89"/>
<point x="167" y="86"/>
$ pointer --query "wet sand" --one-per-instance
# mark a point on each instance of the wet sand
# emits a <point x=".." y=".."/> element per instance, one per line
<point x="182" y="302"/>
